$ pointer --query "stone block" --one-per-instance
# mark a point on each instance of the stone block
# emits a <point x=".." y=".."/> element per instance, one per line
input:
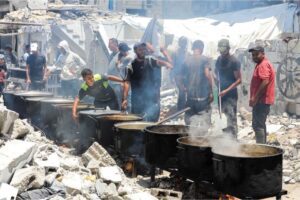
<point x="70" y="163"/>
<point x="8" y="117"/>
<point x="111" y="174"/>
<point x="19" y="129"/>
<point x="14" y="155"/>
<point x="166" y="194"/>
<point x="47" y="157"/>
<point x="73" y="183"/>
<point x="140" y="196"/>
<point x="8" y="192"/>
<point x="28" y="178"/>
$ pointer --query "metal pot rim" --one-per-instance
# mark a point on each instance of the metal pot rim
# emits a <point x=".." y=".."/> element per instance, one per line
<point x="94" y="112"/>
<point x="106" y="117"/>
<point x="147" y="129"/>
<point x="119" y="125"/>
<point x="33" y="94"/>
<point x="179" y="141"/>
<point x="280" y="152"/>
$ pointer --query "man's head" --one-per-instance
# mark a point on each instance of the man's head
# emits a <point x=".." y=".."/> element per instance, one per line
<point x="8" y="48"/>
<point x="198" y="46"/>
<point x="2" y="59"/>
<point x="34" y="48"/>
<point x="140" y="50"/>
<point x="27" y="48"/>
<point x="123" y="48"/>
<point x="182" y="42"/>
<point x="258" y="54"/>
<point x="224" y="47"/>
<point x="63" y="47"/>
<point x="113" y="45"/>
<point x="88" y="76"/>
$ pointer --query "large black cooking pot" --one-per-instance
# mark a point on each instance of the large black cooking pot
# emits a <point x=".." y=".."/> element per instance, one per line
<point x="161" y="144"/>
<point x="195" y="158"/>
<point x="105" y="132"/>
<point x="129" y="138"/>
<point x="33" y="109"/>
<point x="67" y="129"/>
<point x="20" y="100"/>
<point x="248" y="170"/>
<point x="88" y="126"/>
<point x="49" y="115"/>
<point x="9" y="98"/>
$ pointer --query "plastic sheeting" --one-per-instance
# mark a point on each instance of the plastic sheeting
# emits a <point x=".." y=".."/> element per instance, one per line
<point x="241" y="28"/>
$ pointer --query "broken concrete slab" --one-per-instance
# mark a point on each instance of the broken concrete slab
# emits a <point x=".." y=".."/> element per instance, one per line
<point x="14" y="155"/>
<point x="112" y="190"/>
<point x="97" y="152"/>
<point x="70" y="163"/>
<point x="273" y="128"/>
<point x="19" y="129"/>
<point x="101" y="188"/>
<point x="73" y="183"/>
<point x="47" y="157"/>
<point x="8" y="192"/>
<point x="7" y="119"/>
<point x="28" y="178"/>
<point x="124" y="190"/>
<point x="140" y="196"/>
<point x="111" y="174"/>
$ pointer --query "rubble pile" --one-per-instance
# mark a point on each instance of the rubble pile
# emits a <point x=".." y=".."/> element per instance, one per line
<point x="284" y="132"/>
<point x="32" y="167"/>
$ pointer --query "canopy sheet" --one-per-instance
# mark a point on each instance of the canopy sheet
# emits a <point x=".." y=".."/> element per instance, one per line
<point x="241" y="28"/>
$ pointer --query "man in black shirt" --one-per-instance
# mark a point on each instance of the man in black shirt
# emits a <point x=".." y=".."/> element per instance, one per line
<point x="197" y="81"/>
<point x="97" y="86"/>
<point x="36" y="69"/>
<point x="228" y="72"/>
<point x="145" y="81"/>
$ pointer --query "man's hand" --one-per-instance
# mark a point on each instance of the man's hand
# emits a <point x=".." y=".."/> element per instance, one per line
<point x="211" y="97"/>
<point x="124" y="105"/>
<point x="75" y="116"/>
<point x="253" y="101"/>
<point x="28" y="81"/>
<point x="221" y="94"/>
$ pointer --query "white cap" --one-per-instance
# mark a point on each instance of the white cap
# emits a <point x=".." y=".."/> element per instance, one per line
<point x="2" y="56"/>
<point x="33" y="46"/>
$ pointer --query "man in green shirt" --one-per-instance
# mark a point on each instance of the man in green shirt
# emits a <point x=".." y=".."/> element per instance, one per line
<point x="97" y="86"/>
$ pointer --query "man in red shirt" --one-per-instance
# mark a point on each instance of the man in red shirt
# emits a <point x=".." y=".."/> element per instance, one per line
<point x="262" y="92"/>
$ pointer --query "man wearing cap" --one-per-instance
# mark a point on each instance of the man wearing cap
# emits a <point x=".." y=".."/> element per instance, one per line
<point x="228" y="72"/>
<point x="71" y="65"/>
<point x="262" y="92"/>
<point x="145" y="80"/>
<point x="36" y="69"/>
<point x="198" y="87"/>
<point x="119" y="67"/>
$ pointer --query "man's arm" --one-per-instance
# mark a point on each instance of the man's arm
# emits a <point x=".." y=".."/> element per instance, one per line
<point x="261" y="90"/>
<point x="210" y="80"/>
<point x="27" y="74"/>
<point x="74" y="108"/>
<point x="238" y="77"/>
<point x="114" y="78"/>
<point x="164" y="63"/>
<point x="126" y="87"/>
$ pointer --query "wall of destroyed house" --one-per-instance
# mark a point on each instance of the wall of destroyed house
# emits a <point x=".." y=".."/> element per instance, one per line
<point x="276" y="51"/>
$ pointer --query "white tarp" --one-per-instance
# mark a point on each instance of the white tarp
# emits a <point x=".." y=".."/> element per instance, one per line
<point x="241" y="28"/>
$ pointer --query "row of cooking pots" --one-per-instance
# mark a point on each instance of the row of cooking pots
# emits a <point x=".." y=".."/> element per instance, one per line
<point x="257" y="173"/>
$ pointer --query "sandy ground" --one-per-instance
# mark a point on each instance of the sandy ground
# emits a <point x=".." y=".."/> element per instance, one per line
<point x="293" y="192"/>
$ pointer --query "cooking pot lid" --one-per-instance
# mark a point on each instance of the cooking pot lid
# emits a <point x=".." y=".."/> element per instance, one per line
<point x="12" y="91"/>
<point x="168" y="129"/>
<point x="35" y="99"/>
<point x="57" y="101"/>
<point x="133" y="125"/>
<point x="120" y="117"/>
<point x="80" y="106"/>
<point x="34" y="94"/>
<point x="247" y="150"/>
<point x="196" y="141"/>
<point x="98" y="112"/>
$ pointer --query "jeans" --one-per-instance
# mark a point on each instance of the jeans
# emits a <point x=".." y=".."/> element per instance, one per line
<point x="259" y="116"/>
<point x="112" y="104"/>
<point x="181" y="101"/>
<point x="229" y="108"/>
<point x="37" y="85"/>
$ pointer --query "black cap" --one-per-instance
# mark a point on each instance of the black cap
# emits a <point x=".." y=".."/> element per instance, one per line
<point x="257" y="48"/>
<point x="123" y="47"/>
<point x="139" y="44"/>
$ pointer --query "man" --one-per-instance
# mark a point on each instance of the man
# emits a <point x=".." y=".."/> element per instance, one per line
<point x="3" y="71"/>
<point x="178" y="59"/>
<point x="97" y="86"/>
<point x="27" y="53"/>
<point x="36" y="69"/>
<point x="145" y="80"/>
<point x="228" y="72"/>
<point x="113" y="45"/>
<point x="119" y="67"/>
<point x="198" y="86"/>
<point x="262" y="92"/>
<point x="10" y="56"/>
<point x="71" y="65"/>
